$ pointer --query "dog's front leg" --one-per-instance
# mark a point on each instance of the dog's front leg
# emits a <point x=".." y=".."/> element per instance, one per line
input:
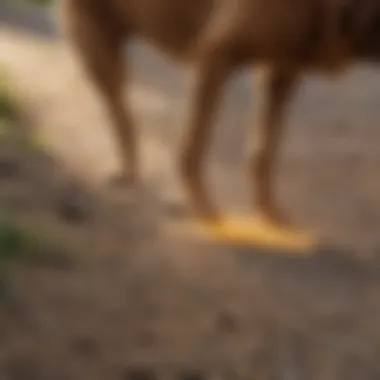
<point x="212" y="71"/>
<point x="275" y="91"/>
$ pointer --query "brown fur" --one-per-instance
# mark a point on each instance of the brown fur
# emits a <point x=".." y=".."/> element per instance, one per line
<point x="219" y="37"/>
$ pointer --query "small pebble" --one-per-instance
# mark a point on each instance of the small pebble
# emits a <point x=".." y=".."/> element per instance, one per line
<point x="85" y="346"/>
<point x="139" y="373"/>
<point x="8" y="168"/>
<point x="146" y="339"/>
<point x="226" y="322"/>
<point x="191" y="375"/>
<point x="72" y="208"/>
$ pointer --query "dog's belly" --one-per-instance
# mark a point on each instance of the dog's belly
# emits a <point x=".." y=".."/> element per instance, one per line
<point x="171" y="26"/>
<point x="258" y="30"/>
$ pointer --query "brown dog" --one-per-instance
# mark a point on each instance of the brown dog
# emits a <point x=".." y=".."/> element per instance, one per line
<point x="287" y="37"/>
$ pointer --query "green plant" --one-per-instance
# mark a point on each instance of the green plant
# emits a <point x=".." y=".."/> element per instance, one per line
<point x="38" y="2"/>
<point x="8" y="105"/>
<point x="18" y="243"/>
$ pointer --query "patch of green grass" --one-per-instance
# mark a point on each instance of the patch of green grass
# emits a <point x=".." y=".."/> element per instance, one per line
<point x="20" y="244"/>
<point x="8" y="106"/>
<point x="33" y="247"/>
<point x="41" y="3"/>
<point x="11" y="113"/>
<point x="23" y="246"/>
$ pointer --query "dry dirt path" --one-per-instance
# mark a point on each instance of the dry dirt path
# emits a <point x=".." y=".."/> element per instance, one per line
<point x="173" y="304"/>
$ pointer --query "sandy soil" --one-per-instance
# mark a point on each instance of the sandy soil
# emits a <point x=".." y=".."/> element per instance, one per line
<point x="138" y="304"/>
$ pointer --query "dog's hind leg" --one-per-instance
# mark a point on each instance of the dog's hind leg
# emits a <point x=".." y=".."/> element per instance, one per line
<point x="99" y="44"/>
<point x="271" y="228"/>
<point x="276" y="87"/>
<point x="275" y="90"/>
<point x="212" y="73"/>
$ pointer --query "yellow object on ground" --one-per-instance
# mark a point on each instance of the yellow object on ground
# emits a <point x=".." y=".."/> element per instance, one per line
<point x="253" y="233"/>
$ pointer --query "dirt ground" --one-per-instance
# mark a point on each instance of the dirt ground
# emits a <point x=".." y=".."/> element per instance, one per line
<point x="138" y="304"/>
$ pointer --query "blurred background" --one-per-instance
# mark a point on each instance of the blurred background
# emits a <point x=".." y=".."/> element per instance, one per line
<point x="90" y="287"/>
